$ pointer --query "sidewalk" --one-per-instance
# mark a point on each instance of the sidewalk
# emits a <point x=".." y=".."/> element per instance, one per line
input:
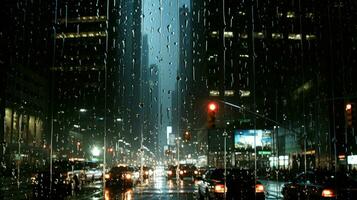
<point x="9" y="189"/>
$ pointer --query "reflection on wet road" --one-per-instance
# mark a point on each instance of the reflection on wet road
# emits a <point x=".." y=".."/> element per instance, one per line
<point x="160" y="188"/>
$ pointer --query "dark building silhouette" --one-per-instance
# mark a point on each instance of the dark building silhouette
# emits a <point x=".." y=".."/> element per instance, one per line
<point x="288" y="64"/>
<point x="96" y="76"/>
<point x="25" y="58"/>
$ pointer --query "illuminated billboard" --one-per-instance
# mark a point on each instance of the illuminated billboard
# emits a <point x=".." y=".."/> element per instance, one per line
<point x="245" y="138"/>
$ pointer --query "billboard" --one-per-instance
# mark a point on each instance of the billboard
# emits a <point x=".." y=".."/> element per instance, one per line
<point x="245" y="138"/>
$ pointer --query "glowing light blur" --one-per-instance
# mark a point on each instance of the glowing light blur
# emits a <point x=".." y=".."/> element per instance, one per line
<point x="95" y="151"/>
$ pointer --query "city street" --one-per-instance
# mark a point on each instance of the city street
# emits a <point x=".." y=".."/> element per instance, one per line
<point x="160" y="188"/>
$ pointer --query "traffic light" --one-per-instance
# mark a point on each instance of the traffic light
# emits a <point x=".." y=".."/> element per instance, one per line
<point x="212" y="111"/>
<point x="187" y="136"/>
<point x="349" y="114"/>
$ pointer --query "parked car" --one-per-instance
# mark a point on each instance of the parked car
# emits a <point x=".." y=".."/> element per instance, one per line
<point x="93" y="174"/>
<point x="240" y="184"/>
<point x="121" y="176"/>
<point x="320" y="185"/>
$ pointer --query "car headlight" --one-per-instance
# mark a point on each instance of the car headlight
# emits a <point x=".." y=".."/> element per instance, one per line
<point x="106" y="176"/>
<point x="128" y="176"/>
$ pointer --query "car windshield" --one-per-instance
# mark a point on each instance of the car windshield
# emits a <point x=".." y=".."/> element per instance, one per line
<point x="172" y="90"/>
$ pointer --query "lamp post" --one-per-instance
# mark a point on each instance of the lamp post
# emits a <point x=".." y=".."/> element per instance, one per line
<point x="225" y="162"/>
<point x="178" y="158"/>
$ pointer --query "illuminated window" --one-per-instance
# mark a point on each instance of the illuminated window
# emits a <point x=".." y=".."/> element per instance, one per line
<point x="310" y="37"/>
<point x="277" y="36"/>
<point x="229" y="93"/>
<point x="214" y="93"/>
<point x="259" y="35"/>
<point x="84" y="19"/>
<point x="81" y="35"/>
<point x="294" y="37"/>
<point x="228" y="34"/>
<point x="290" y="14"/>
<point x="214" y="34"/>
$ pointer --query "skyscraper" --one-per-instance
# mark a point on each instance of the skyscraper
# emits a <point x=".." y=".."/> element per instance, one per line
<point x="25" y="58"/>
<point x="270" y="58"/>
<point x="97" y="73"/>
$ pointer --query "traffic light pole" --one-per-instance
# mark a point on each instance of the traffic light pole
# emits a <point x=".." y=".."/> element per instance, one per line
<point x="178" y="160"/>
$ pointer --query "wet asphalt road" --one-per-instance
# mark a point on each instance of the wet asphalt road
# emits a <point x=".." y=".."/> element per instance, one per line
<point x="159" y="188"/>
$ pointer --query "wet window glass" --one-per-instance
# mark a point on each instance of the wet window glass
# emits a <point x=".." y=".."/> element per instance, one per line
<point x="190" y="95"/>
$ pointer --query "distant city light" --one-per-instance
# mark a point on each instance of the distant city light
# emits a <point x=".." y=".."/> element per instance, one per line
<point x="82" y="110"/>
<point x="348" y="106"/>
<point x="95" y="151"/>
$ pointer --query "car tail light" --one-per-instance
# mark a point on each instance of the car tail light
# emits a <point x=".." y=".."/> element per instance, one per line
<point x="219" y="188"/>
<point x="128" y="176"/>
<point x="259" y="188"/>
<point x="181" y="172"/>
<point x="169" y="172"/>
<point x="328" y="193"/>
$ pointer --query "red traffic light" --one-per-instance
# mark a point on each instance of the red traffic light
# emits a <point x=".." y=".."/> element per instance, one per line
<point x="212" y="106"/>
<point x="349" y="114"/>
<point x="211" y="118"/>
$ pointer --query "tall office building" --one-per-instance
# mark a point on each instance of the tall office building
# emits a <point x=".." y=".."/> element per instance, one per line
<point x="279" y="60"/>
<point x="150" y="106"/>
<point x="25" y="58"/>
<point x="96" y="73"/>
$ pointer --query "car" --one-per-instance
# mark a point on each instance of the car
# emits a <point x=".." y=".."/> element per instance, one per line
<point x="171" y="171"/>
<point x="122" y="176"/>
<point x="320" y="185"/>
<point x="188" y="170"/>
<point x="93" y="174"/>
<point x="240" y="184"/>
<point x="147" y="172"/>
<point x="185" y="171"/>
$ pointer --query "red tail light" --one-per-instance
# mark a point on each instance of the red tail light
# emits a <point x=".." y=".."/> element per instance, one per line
<point x="219" y="188"/>
<point x="328" y="193"/>
<point x="259" y="188"/>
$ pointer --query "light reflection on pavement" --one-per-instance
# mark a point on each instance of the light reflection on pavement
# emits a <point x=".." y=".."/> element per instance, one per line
<point x="273" y="189"/>
<point x="160" y="188"/>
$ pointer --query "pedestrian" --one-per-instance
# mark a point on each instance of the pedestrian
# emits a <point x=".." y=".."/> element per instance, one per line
<point x="76" y="183"/>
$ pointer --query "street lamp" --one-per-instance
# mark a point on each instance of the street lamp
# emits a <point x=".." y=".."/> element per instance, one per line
<point x="225" y="134"/>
